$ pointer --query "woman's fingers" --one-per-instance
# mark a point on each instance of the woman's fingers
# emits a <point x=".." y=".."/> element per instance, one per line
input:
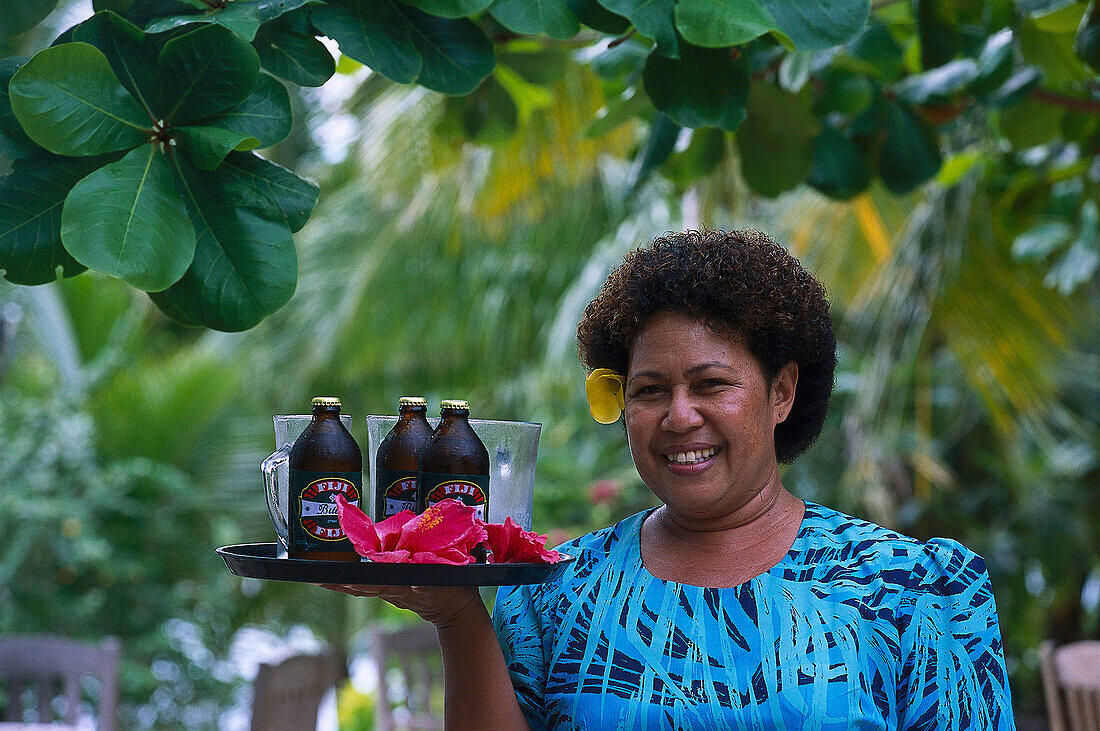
<point x="439" y="605"/>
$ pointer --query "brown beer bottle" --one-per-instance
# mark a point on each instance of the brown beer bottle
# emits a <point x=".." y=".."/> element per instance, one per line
<point x="454" y="463"/>
<point x="395" y="462"/>
<point x="325" y="461"/>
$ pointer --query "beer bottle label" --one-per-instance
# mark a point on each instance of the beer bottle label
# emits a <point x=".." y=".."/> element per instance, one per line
<point x="313" y="522"/>
<point x="470" y="489"/>
<point x="396" y="492"/>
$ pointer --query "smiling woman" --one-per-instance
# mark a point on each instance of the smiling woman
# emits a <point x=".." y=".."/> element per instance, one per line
<point x="735" y="604"/>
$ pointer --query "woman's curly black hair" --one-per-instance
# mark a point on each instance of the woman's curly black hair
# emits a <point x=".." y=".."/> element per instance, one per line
<point x="740" y="283"/>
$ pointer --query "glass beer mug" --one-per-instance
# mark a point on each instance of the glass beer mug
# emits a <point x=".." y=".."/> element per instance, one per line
<point x="276" y="471"/>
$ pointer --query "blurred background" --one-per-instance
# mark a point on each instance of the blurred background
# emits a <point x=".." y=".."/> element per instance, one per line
<point x="450" y="256"/>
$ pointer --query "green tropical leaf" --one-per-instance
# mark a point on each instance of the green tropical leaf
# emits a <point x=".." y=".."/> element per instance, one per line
<point x="14" y="142"/>
<point x="264" y="114"/>
<point x="703" y="155"/>
<point x="208" y="146"/>
<point x="451" y="8"/>
<point x="719" y="23"/>
<point x="938" y="86"/>
<point x="290" y="195"/>
<point x="292" y="54"/>
<point x="376" y="36"/>
<point x="531" y="17"/>
<point x="69" y="101"/>
<point x="30" y="216"/>
<point x="132" y="55"/>
<point x="19" y="15"/>
<point x="844" y="92"/>
<point x="910" y="152"/>
<point x="818" y="25"/>
<point x="840" y="169"/>
<point x="877" y="53"/>
<point x="937" y="24"/>
<point x="245" y="265"/>
<point x="127" y="220"/>
<point x="487" y="116"/>
<point x="703" y="88"/>
<point x="206" y="71"/>
<point x="776" y="141"/>
<point x="597" y="17"/>
<point x="1086" y="44"/>
<point x="243" y="17"/>
<point x="1042" y="239"/>
<point x="994" y="63"/>
<point x="653" y="18"/>
<point x="457" y="55"/>
<point x="659" y="143"/>
<point x="629" y="105"/>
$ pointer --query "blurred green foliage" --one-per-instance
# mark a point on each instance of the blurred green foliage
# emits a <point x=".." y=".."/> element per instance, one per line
<point x="966" y="404"/>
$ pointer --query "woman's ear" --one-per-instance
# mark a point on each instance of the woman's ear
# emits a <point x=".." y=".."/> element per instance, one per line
<point x="783" y="389"/>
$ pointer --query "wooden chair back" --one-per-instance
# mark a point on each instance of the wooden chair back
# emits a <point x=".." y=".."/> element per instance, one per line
<point x="410" y="678"/>
<point x="1071" y="684"/>
<point x="46" y="679"/>
<point x="287" y="695"/>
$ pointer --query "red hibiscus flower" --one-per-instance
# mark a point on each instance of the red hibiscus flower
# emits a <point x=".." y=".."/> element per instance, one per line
<point x="510" y="543"/>
<point x="444" y="533"/>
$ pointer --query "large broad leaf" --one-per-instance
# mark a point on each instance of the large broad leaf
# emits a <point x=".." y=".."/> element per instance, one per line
<point x="718" y="23"/>
<point x="127" y="220"/>
<point x="531" y="17"/>
<point x="245" y="266"/>
<point x="264" y="114"/>
<point x="1087" y="42"/>
<point x="292" y="196"/>
<point x="30" y="216"/>
<point x="910" y="153"/>
<point x="597" y="17"/>
<point x="653" y="18"/>
<point x="940" y="85"/>
<point x="451" y="8"/>
<point x="703" y="88"/>
<point x="776" y="140"/>
<point x="809" y="25"/>
<point x="375" y="34"/>
<point x="17" y="16"/>
<point x="840" y="169"/>
<point x="294" y="53"/>
<point x="14" y="142"/>
<point x="208" y="146"/>
<point x="132" y="55"/>
<point x="704" y="153"/>
<point x="206" y="71"/>
<point x="457" y="55"/>
<point x="994" y="63"/>
<point x="659" y="143"/>
<point x="243" y="17"/>
<point x="69" y="101"/>
<point x="822" y="24"/>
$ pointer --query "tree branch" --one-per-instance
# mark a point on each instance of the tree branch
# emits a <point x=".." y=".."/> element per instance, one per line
<point x="1089" y="106"/>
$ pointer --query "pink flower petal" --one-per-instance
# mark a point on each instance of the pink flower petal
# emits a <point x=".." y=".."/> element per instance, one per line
<point x="447" y="524"/>
<point x="358" y="527"/>
<point x="510" y="543"/>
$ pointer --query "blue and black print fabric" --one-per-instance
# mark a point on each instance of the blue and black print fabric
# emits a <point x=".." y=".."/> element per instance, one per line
<point x="857" y="627"/>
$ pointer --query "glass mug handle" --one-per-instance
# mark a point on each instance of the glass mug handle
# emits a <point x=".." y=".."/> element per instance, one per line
<point x="270" y="466"/>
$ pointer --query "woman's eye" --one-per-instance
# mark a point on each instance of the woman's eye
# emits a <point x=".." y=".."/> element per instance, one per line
<point x="647" y="391"/>
<point x="710" y="384"/>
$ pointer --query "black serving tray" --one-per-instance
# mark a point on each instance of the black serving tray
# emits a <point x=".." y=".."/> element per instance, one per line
<point x="259" y="561"/>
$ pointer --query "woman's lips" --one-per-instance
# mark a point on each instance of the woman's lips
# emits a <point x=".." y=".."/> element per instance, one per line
<point x="689" y="461"/>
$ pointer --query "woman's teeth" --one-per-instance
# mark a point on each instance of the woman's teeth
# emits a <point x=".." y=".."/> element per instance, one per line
<point x="692" y="457"/>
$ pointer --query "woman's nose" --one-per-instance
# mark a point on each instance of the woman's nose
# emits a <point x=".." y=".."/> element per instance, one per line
<point x="682" y="413"/>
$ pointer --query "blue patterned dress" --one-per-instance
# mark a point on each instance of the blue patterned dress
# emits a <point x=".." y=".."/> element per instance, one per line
<point x="857" y="627"/>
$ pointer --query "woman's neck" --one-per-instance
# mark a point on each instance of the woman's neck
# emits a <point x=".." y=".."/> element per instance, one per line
<point x="725" y="550"/>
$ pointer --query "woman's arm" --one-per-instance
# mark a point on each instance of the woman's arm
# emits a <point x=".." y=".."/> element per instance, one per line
<point x="478" y="692"/>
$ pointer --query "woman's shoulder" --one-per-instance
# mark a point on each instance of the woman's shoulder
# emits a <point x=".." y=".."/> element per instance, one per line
<point x="831" y="538"/>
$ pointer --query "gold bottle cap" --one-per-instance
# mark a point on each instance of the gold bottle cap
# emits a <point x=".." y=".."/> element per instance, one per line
<point x="326" y="401"/>
<point x="454" y="404"/>
<point x="412" y="401"/>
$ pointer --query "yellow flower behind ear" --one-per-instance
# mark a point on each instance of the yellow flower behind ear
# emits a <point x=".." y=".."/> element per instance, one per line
<point x="604" y="390"/>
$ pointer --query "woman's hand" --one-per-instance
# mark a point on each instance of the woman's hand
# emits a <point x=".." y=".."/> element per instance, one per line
<point x="440" y="605"/>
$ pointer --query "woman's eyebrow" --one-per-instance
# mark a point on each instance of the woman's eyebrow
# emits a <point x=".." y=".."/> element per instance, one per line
<point x="693" y="371"/>
<point x="696" y="370"/>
